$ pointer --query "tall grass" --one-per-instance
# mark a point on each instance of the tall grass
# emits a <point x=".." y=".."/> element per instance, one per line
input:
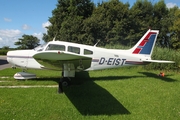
<point x="117" y="46"/>
<point x="165" y="54"/>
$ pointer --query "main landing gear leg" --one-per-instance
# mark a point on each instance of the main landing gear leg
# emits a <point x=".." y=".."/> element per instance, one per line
<point x="67" y="72"/>
<point x="60" y="88"/>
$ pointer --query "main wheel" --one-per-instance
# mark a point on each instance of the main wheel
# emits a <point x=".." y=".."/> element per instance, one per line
<point x="65" y="81"/>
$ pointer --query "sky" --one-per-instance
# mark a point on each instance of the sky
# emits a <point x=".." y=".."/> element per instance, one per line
<point x="30" y="17"/>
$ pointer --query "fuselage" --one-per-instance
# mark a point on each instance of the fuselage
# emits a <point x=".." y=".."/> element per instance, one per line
<point x="101" y="58"/>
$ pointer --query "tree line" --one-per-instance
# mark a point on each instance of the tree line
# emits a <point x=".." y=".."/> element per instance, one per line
<point x="113" y="22"/>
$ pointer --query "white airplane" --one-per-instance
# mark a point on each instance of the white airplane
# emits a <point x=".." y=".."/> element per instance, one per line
<point x="72" y="57"/>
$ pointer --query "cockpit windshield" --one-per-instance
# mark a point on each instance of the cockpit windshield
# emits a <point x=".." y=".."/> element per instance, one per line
<point x="40" y="47"/>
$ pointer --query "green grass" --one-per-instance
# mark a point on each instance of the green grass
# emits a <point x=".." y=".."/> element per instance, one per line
<point x="125" y="93"/>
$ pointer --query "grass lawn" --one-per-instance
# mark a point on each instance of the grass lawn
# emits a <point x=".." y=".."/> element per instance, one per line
<point x="124" y="93"/>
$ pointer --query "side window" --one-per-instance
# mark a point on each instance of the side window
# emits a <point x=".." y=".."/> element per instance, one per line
<point x="74" y="49"/>
<point x="88" y="52"/>
<point x="55" y="47"/>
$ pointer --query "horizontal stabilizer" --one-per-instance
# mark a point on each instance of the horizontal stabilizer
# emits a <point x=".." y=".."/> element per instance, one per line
<point x="158" y="61"/>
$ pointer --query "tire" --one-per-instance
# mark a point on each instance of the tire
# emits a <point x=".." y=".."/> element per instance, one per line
<point x="65" y="82"/>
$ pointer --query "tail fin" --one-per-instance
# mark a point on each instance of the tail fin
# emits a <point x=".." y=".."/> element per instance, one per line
<point x="145" y="47"/>
<point x="146" y="44"/>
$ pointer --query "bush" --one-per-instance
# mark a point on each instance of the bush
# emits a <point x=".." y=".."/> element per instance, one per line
<point x="165" y="54"/>
<point x="3" y="52"/>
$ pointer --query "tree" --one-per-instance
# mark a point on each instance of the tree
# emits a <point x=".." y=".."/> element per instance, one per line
<point x="175" y="29"/>
<point x="67" y="19"/>
<point x="161" y="21"/>
<point x="27" y="42"/>
<point x="5" y="48"/>
<point x="141" y="16"/>
<point x="108" y="23"/>
<point x="113" y="22"/>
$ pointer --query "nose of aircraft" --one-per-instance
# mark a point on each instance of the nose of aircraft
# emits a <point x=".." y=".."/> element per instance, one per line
<point x="9" y="59"/>
<point x="17" y="55"/>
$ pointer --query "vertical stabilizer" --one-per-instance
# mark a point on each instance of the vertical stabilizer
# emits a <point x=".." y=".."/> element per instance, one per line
<point x="146" y="44"/>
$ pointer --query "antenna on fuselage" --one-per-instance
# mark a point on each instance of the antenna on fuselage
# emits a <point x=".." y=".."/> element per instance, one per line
<point x="55" y="37"/>
<point x="97" y="43"/>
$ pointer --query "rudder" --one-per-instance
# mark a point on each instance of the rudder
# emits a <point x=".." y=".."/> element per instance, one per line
<point x="146" y="44"/>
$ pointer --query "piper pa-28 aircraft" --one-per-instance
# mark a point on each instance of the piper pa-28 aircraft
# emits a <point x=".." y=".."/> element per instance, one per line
<point x="72" y="57"/>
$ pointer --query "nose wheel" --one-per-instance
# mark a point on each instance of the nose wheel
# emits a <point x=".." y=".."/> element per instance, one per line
<point x="64" y="82"/>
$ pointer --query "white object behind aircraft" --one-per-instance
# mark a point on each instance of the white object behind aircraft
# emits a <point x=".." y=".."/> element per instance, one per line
<point x="72" y="57"/>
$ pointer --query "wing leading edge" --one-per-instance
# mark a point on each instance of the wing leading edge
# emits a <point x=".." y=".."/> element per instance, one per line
<point x="56" y="59"/>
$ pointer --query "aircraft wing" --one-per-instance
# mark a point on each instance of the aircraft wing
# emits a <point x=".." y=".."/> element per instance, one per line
<point x="158" y="61"/>
<point x="55" y="60"/>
